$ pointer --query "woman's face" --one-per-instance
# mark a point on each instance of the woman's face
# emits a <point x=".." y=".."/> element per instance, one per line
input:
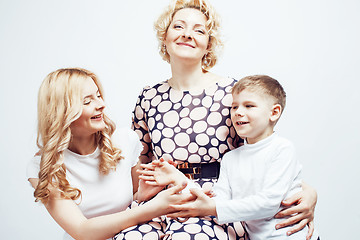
<point x="91" y="119"/>
<point x="187" y="37"/>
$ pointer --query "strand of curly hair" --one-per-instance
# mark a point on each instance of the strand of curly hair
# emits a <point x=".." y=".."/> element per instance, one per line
<point x="54" y="135"/>
<point x="53" y="171"/>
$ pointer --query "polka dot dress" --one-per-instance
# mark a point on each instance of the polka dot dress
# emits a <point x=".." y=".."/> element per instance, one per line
<point x="185" y="126"/>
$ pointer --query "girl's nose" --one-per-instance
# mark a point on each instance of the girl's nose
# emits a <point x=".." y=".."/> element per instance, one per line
<point x="100" y="104"/>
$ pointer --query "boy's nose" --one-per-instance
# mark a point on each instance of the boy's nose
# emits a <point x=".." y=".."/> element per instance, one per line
<point x="239" y="112"/>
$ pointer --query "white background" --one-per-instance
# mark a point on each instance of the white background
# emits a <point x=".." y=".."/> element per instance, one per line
<point x="311" y="47"/>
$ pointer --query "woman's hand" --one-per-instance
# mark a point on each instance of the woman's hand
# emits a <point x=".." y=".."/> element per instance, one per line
<point x="302" y="213"/>
<point x="161" y="173"/>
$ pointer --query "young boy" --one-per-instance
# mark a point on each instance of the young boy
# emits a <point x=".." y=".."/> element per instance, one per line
<point x="256" y="177"/>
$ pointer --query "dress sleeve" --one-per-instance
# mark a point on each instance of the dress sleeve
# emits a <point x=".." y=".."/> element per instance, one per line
<point x="33" y="168"/>
<point x="140" y="126"/>
<point x="282" y="171"/>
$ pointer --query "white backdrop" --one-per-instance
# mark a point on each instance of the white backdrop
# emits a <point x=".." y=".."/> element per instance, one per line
<point x="311" y="47"/>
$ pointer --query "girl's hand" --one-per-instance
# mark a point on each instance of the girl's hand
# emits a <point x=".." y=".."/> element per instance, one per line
<point x="198" y="205"/>
<point x="146" y="191"/>
<point x="163" y="201"/>
<point x="302" y="213"/>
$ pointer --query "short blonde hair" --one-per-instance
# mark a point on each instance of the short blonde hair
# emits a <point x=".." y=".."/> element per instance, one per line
<point x="212" y="25"/>
<point x="60" y="104"/>
<point x="263" y="84"/>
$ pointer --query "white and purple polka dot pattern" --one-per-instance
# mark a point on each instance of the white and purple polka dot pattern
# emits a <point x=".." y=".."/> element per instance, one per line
<point x="184" y="125"/>
<point x="192" y="127"/>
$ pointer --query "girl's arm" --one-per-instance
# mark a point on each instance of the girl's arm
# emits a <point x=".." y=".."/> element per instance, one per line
<point x="135" y="178"/>
<point x="199" y="205"/>
<point x="68" y="215"/>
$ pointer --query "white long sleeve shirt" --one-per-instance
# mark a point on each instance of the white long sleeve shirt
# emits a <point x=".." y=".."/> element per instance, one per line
<point x="253" y="181"/>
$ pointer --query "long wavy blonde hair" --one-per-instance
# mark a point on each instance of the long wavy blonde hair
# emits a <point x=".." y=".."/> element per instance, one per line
<point x="162" y="24"/>
<point x="59" y="104"/>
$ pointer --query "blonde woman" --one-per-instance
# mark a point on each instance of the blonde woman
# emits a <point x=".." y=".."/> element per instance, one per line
<point x="83" y="178"/>
<point x="186" y="118"/>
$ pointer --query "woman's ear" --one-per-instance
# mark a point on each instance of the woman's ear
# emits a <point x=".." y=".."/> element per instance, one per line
<point x="275" y="112"/>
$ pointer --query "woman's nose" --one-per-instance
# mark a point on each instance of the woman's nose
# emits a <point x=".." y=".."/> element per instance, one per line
<point x="187" y="34"/>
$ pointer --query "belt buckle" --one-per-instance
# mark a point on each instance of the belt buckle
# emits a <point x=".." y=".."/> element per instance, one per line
<point x="196" y="170"/>
<point x="187" y="165"/>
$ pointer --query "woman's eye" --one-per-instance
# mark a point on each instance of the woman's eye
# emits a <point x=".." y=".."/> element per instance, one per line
<point x="200" y="31"/>
<point x="177" y="26"/>
<point x="249" y="106"/>
<point x="87" y="102"/>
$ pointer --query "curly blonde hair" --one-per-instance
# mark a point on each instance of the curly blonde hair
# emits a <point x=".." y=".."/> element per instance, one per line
<point x="60" y="104"/>
<point x="212" y="25"/>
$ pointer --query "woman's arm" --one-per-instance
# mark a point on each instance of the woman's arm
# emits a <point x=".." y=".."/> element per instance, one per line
<point x="301" y="210"/>
<point x="68" y="215"/>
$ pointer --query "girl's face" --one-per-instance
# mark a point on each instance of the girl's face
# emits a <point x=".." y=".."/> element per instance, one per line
<point x="187" y="37"/>
<point x="91" y="119"/>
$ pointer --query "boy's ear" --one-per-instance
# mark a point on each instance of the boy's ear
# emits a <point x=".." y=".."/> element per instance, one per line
<point x="275" y="112"/>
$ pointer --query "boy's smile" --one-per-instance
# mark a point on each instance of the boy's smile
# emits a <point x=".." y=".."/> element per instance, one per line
<point x="251" y="115"/>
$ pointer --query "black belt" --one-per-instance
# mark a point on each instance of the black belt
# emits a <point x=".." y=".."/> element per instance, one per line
<point x="200" y="170"/>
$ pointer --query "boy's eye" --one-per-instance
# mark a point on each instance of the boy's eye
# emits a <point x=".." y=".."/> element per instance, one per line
<point x="234" y="107"/>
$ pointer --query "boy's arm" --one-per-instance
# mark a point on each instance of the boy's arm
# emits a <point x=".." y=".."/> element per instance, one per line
<point x="280" y="175"/>
<point x="263" y="204"/>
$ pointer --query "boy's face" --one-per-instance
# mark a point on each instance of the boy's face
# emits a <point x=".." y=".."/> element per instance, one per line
<point x="251" y="115"/>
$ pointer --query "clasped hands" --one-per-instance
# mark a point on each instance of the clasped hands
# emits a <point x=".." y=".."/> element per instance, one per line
<point x="191" y="201"/>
